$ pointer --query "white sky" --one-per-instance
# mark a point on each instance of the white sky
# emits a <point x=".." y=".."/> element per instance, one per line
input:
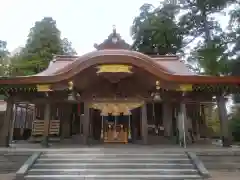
<point x="83" y="22"/>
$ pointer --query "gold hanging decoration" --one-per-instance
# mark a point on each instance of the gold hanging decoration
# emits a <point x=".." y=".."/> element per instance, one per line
<point x="116" y="108"/>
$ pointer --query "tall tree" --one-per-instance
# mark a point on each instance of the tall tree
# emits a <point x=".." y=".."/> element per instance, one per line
<point x="43" y="42"/>
<point x="3" y="49"/>
<point x="234" y="27"/>
<point x="4" y="65"/>
<point x="155" y="30"/>
<point x="210" y="54"/>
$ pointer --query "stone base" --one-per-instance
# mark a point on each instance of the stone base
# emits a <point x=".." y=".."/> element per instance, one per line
<point x="226" y="142"/>
<point x="44" y="142"/>
<point x="4" y="141"/>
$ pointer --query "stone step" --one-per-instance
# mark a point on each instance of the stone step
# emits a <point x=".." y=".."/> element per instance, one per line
<point x="102" y="165"/>
<point x="112" y="177"/>
<point x="109" y="165"/>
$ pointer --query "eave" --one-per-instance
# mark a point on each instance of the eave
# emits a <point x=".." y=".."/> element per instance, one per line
<point x="122" y="57"/>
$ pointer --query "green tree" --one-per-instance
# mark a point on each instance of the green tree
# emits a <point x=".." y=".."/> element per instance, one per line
<point x="155" y="30"/>
<point x="234" y="27"/>
<point x="43" y="42"/>
<point x="67" y="48"/>
<point x="210" y="56"/>
<point x="3" y="50"/>
<point x="235" y="126"/>
<point x="4" y="64"/>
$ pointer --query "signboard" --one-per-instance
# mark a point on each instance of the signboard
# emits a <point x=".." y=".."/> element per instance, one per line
<point x="43" y="87"/>
<point x="114" y="68"/>
<point x="185" y="87"/>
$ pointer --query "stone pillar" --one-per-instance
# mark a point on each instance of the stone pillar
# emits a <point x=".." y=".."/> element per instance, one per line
<point x="47" y="118"/>
<point x="144" y="125"/>
<point x="4" y="129"/>
<point x="222" y="110"/>
<point x="86" y="122"/>
<point x="167" y="119"/>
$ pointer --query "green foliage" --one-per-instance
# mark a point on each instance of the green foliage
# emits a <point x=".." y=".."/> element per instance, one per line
<point x="3" y="50"/>
<point x="42" y="44"/>
<point x="67" y="48"/>
<point x="234" y="36"/>
<point x="211" y="57"/>
<point x="235" y="126"/>
<point x="4" y="67"/>
<point x="214" y="122"/>
<point x="155" y="30"/>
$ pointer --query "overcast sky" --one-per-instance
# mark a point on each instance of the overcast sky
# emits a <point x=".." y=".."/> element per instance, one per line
<point x="84" y="22"/>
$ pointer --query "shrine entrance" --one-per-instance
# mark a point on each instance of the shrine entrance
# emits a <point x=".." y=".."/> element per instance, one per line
<point x="117" y="123"/>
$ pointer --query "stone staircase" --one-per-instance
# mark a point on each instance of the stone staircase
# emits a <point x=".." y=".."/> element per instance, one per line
<point x="112" y="164"/>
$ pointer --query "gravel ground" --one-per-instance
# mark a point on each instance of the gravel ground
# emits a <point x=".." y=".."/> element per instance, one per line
<point x="224" y="175"/>
<point x="10" y="162"/>
<point x="9" y="176"/>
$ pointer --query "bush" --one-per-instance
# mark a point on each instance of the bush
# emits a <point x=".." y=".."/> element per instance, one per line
<point x="235" y="126"/>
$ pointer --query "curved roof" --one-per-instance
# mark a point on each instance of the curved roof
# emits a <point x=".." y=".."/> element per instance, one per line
<point x="165" y="67"/>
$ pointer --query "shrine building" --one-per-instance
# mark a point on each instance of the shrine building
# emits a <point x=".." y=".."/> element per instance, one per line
<point x="115" y="95"/>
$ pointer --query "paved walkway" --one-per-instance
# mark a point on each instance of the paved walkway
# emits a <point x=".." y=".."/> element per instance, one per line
<point x="221" y="175"/>
<point x="9" y="176"/>
<point x="64" y="147"/>
<point x="216" y="175"/>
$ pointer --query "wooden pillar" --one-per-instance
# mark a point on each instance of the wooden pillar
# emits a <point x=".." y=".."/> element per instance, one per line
<point x="86" y="122"/>
<point x="12" y="124"/>
<point x="167" y="119"/>
<point x="4" y="130"/>
<point x="222" y="110"/>
<point x="47" y="118"/>
<point x="182" y="118"/>
<point x="144" y="125"/>
<point x="65" y="120"/>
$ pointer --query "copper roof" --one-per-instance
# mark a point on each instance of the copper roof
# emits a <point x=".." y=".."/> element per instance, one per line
<point x="58" y="63"/>
<point x="170" y="64"/>
<point x="168" y="68"/>
<point x="174" y="65"/>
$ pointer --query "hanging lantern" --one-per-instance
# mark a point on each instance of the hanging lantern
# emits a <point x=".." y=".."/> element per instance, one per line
<point x="71" y="96"/>
<point x="157" y="97"/>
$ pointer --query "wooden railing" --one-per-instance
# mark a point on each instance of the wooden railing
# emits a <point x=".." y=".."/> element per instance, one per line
<point x="38" y="127"/>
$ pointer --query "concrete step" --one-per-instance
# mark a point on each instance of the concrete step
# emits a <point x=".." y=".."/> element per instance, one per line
<point x="110" y="165"/>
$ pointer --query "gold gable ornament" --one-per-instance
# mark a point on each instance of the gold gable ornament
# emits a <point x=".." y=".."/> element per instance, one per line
<point x="185" y="87"/>
<point x="43" y="88"/>
<point x="114" y="68"/>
